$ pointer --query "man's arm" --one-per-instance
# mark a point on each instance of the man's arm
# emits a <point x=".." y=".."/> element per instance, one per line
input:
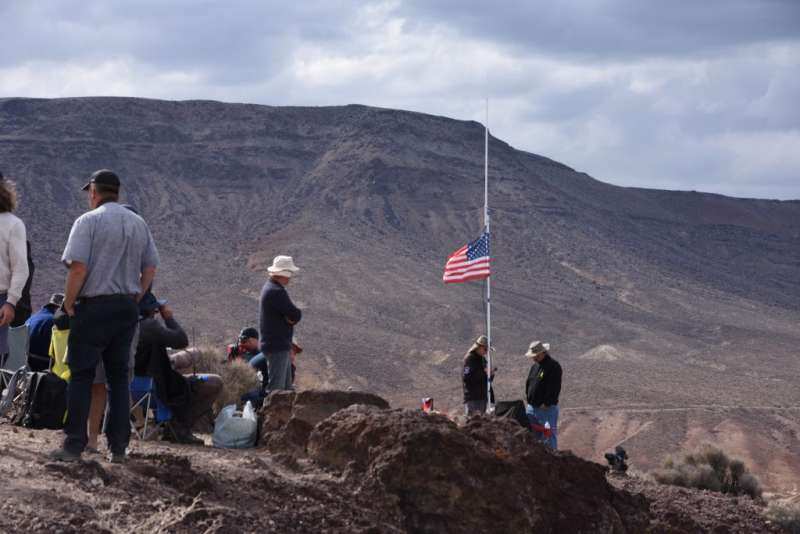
<point x="287" y="308"/>
<point x="148" y="274"/>
<point x="170" y="334"/>
<point x="472" y="372"/>
<point x="76" y="276"/>
<point x="553" y="385"/>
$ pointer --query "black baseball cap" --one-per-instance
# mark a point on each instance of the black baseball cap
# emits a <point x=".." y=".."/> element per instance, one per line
<point x="150" y="303"/>
<point x="103" y="177"/>
<point x="248" y="332"/>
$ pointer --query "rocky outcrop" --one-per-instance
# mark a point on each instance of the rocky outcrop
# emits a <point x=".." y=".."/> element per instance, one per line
<point x="487" y="476"/>
<point x="288" y="417"/>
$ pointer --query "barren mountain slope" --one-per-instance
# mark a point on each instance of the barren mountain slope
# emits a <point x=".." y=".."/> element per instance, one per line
<point x="650" y="299"/>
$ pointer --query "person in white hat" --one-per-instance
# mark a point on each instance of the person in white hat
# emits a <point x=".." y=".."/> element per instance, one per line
<point x="277" y="320"/>
<point x="542" y="389"/>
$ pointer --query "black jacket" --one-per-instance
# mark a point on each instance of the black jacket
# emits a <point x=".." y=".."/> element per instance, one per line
<point x="276" y="308"/>
<point x="474" y="377"/>
<point x="152" y="360"/>
<point x="544" y="383"/>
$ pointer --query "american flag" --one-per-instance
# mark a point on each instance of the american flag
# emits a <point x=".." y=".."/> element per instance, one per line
<point x="470" y="262"/>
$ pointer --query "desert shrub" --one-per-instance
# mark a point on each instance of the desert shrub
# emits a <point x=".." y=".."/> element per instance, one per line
<point x="671" y="476"/>
<point x="748" y="484"/>
<point x="785" y="514"/>
<point x="708" y="468"/>
<point x="237" y="377"/>
<point x="704" y="477"/>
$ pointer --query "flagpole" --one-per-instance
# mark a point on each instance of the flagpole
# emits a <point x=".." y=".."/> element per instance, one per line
<point x="488" y="278"/>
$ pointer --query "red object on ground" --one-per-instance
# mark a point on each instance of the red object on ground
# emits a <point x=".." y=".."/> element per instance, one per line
<point x="542" y="430"/>
<point x="427" y="404"/>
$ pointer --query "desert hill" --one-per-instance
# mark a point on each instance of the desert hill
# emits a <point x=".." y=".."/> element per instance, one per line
<point x="675" y="314"/>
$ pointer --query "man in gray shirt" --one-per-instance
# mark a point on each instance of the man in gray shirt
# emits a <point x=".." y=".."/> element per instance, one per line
<point x="112" y="260"/>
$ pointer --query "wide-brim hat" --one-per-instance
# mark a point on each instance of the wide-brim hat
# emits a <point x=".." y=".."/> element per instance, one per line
<point x="536" y="348"/>
<point x="283" y="266"/>
<point x="482" y="341"/>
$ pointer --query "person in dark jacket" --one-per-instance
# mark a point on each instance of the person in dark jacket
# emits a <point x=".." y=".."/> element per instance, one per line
<point x="542" y="389"/>
<point x="40" y="329"/>
<point x="189" y="397"/>
<point x="277" y="319"/>
<point x="475" y="377"/>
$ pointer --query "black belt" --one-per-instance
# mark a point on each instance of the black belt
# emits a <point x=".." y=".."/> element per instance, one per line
<point x="101" y="298"/>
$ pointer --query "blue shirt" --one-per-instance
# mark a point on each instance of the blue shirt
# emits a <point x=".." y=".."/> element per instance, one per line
<point x="40" y="326"/>
<point x="115" y="244"/>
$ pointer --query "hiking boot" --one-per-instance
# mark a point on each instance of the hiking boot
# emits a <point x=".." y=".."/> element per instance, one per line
<point x="118" y="457"/>
<point x="178" y="434"/>
<point x="63" y="455"/>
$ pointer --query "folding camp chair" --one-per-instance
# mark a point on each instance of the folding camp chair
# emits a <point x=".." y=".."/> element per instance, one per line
<point x="17" y="361"/>
<point x="143" y="396"/>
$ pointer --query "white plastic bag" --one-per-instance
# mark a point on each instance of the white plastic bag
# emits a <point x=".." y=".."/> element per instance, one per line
<point x="235" y="429"/>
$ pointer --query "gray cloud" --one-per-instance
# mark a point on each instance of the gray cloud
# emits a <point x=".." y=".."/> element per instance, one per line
<point x="681" y="95"/>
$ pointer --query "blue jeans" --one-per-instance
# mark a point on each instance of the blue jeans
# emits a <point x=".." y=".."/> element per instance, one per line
<point x="545" y="415"/>
<point x="101" y="330"/>
<point x="280" y="370"/>
<point x="259" y="362"/>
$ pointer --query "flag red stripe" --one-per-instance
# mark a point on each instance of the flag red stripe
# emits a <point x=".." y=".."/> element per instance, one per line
<point x="481" y="276"/>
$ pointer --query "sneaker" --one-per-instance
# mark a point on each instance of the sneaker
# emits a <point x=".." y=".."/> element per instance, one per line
<point x="63" y="455"/>
<point x="118" y="457"/>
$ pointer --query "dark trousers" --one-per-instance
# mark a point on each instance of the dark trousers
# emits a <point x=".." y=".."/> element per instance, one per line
<point x="102" y="329"/>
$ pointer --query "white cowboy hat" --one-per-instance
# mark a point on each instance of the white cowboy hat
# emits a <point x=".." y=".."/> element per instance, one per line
<point x="536" y="348"/>
<point x="283" y="266"/>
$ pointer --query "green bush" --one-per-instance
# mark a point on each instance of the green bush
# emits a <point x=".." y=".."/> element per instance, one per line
<point x="237" y="377"/>
<point x="709" y="468"/>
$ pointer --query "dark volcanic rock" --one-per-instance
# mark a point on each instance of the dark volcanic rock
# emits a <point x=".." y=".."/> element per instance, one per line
<point x="288" y="417"/>
<point x="488" y="476"/>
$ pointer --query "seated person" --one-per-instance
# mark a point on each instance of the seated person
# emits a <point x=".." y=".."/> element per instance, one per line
<point x="247" y="349"/>
<point x="40" y="328"/>
<point x="189" y="397"/>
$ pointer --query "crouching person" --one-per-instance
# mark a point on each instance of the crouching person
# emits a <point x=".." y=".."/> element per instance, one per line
<point x="189" y="397"/>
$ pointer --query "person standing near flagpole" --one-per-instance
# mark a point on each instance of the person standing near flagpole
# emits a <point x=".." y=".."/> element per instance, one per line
<point x="475" y="377"/>
<point x="542" y="389"/>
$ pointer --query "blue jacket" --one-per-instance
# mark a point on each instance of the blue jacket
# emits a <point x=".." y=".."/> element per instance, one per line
<point x="277" y="310"/>
<point x="40" y="326"/>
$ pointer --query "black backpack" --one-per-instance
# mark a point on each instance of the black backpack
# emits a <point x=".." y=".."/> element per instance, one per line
<point x="46" y="402"/>
<point x="513" y="410"/>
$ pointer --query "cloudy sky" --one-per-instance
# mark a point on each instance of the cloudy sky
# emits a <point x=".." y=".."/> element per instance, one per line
<point x="687" y="94"/>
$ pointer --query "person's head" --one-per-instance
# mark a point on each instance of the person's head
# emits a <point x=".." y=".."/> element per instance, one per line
<point x="8" y="195"/>
<point x="150" y="305"/>
<point x="103" y="186"/>
<point x="248" y="338"/>
<point x="282" y="269"/>
<point x="480" y="345"/>
<point x="538" y="351"/>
